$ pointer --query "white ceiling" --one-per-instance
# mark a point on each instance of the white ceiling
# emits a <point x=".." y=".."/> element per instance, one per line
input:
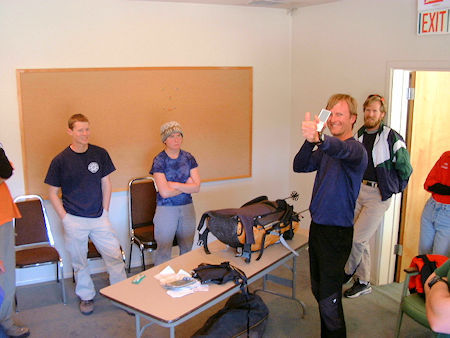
<point x="288" y="4"/>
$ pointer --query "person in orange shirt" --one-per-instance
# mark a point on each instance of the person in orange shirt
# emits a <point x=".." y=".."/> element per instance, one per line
<point x="435" y="222"/>
<point x="8" y="211"/>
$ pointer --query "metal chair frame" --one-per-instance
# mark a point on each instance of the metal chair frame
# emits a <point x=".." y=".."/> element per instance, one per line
<point x="409" y="273"/>
<point x="134" y="237"/>
<point x="48" y="243"/>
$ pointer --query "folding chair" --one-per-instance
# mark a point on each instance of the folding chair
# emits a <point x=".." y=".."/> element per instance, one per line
<point x="411" y="304"/>
<point x="141" y="209"/>
<point x="34" y="241"/>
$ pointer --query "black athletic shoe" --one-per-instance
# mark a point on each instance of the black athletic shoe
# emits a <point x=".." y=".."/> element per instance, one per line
<point x="358" y="289"/>
<point x="347" y="278"/>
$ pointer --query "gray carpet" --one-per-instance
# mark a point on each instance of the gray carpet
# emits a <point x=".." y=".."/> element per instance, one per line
<point x="372" y="315"/>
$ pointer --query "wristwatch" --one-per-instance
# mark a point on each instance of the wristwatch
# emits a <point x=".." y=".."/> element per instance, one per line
<point x="321" y="139"/>
<point x="436" y="279"/>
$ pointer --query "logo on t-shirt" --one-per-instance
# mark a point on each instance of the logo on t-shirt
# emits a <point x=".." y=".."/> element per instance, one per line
<point x="93" y="167"/>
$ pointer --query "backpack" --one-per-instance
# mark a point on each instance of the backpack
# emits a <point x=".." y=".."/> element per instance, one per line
<point x="252" y="227"/>
<point x="244" y="315"/>
<point x="244" y="312"/>
<point x="425" y="264"/>
<point x="219" y="274"/>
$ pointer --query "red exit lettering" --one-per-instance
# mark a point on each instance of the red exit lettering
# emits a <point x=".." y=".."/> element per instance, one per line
<point x="433" y="21"/>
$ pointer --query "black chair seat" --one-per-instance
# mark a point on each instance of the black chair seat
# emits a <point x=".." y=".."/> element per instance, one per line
<point x="145" y="235"/>
<point x="36" y="256"/>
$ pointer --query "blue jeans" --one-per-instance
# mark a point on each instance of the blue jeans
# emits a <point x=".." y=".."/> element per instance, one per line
<point x="435" y="229"/>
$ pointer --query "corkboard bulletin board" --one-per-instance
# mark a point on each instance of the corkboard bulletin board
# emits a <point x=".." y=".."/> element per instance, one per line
<point x="127" y="106"/>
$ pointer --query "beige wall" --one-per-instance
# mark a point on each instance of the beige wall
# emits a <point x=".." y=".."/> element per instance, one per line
<point x="350" y="46"/>
<point x="112" y="33"/>
<point x="347" y="46"/>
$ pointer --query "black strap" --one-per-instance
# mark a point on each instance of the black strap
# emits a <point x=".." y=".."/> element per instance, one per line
<point x="262" y="246"/>
<point x="202" y="221"/>
<point x="203" y="240"/>
<point x="247" y="252"/>
<point x="427" y="269"/>
<point x="242" y="276"/>
<point x="203" y="237"/>
<point x="424" y="258"/>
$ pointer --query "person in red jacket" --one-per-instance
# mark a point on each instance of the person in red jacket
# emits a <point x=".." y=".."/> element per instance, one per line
<point x="435" y="223"/>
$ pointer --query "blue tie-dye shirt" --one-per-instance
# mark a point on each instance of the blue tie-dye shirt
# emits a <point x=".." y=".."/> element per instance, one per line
<point x="175" y="170"/>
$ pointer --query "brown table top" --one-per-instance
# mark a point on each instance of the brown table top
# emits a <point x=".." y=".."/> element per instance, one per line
<point x="151" y="299"/>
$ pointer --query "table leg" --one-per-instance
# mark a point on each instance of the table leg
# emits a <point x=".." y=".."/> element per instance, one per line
<point x="285" y="282"/>
<point x="140" y="330"/>
<point x="138" y="326"/>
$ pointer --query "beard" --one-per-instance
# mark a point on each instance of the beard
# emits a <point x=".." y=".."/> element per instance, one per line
<point x="372" y="122"/>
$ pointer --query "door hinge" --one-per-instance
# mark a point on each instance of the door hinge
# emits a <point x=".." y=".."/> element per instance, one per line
<point x="411" y="93"/>
<point x="398" y="249"/>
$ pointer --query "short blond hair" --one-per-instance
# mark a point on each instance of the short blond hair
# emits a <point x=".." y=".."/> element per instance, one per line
<point x="76" y="118"/>
<point x="351" y="102"/>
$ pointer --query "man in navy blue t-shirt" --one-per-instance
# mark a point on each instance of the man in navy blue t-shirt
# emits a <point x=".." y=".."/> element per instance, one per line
<point x="340" y="162"/>
<point x="82" y="172"/>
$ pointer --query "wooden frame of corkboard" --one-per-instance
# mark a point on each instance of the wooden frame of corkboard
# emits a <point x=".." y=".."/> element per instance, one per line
<point x="127" y="106"/>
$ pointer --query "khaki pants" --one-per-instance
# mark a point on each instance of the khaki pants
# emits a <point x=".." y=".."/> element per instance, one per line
<point x="76" y="233"/>
<point x="369" y="213"/>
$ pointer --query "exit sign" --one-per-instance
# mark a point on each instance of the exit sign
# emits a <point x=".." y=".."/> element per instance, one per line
<point x="433" y="17"/>
<point x="425" y="5"/>
<point x="433" y="22"/>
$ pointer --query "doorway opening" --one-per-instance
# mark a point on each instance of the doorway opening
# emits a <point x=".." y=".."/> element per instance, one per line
<point x="419" y="111"/>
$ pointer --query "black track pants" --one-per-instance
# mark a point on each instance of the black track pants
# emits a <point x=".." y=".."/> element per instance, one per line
<point x="329" y="248"/>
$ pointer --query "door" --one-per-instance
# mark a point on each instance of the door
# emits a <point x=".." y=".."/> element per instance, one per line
<point x="427" y="138"/>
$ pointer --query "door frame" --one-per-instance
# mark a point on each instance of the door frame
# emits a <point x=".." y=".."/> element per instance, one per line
<point x="388" y="235"/>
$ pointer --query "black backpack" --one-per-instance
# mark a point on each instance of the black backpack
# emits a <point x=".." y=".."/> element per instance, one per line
<point x="244" y="315"/>
<point x="219" y="274"/>
<point x="252" y="227"/>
